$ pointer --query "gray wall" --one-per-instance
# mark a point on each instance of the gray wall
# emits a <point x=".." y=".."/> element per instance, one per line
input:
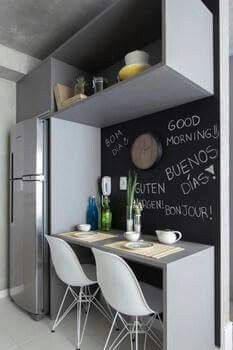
<point x="7" y="119"/>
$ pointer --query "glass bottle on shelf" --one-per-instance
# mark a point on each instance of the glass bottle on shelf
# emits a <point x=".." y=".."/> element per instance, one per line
<point x="106" y="217"/>
<point x="92" y="214"/>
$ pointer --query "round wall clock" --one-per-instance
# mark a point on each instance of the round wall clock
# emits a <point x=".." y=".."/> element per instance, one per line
<point x="146" y="151"/>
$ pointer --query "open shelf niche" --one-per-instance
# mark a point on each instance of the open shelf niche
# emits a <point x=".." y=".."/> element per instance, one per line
<point x="177" y="34"/>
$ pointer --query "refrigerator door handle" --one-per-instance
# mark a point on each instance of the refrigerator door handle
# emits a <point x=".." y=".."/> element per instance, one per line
<point x="12" y="166"/>
<point x="11" y="202"/>
<point x="40" y="178"/>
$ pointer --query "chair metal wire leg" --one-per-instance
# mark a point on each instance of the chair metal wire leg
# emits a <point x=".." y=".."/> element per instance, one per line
<point x="145" y="339"/>
<point x="117" y="339"/>
<point x="57" y="321"/>
<point x="83" y="300"/>
<point x="151" y="333"/>
<point x="79" y="306"/>
<point x="110" y="332"/>
<point x="120" y="341"/>
<point x="131" y="342"/>
<point x="154" y="340"/>
<point x="136" y="333"/>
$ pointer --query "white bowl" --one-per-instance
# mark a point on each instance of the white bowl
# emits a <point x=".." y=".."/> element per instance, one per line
<point x="132" y="236"/>
<point x="140" y="57"/>
<point x="84" y="227"/>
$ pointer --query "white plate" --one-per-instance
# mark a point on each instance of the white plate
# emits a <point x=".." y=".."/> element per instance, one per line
<point x="138" y="245"/>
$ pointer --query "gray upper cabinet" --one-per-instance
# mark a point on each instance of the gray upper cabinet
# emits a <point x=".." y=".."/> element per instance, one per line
<point x="34" y="95"/>
<point x="178" y="35"/>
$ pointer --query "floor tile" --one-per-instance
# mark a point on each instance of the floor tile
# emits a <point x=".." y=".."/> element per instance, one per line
<point x="19" y="332"/>
<point x="6" y="341"/>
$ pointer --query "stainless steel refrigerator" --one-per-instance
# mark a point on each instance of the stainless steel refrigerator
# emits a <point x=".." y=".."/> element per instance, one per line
<point x="29" y="216"/>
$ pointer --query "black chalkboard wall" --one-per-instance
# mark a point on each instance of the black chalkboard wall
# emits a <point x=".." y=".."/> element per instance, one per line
<point x="182" y="191"/>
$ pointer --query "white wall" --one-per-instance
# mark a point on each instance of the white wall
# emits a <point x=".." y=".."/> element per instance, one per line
<point x="231" y="178"/>
<point x="14" y="64"/>
<point x="7" y="119"/>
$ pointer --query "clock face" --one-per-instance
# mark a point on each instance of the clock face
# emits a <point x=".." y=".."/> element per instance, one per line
<point x="146" y="151"/>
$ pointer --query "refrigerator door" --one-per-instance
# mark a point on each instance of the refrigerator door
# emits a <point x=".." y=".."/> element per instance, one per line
<point x="27" y="148"/>
<point x="26" y="244"/>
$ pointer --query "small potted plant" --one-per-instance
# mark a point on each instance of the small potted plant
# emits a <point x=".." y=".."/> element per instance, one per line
<point x="80" y="85"/>
<point x="131" y="187"/>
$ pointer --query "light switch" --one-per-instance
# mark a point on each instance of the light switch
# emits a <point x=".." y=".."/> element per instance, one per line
<point x="123" y="183"/>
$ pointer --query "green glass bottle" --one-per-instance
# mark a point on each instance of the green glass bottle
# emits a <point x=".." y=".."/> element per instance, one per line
<point x="106" y="217"/>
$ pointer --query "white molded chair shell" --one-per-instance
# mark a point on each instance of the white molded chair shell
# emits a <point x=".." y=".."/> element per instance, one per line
<point x="119" y="285"/>
<point x="66" y="263"/>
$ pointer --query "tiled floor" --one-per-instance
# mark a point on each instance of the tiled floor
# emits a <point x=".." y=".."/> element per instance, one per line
<point x="19" y="332"/>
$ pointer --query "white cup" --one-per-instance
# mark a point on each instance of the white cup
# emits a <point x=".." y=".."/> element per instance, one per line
<point x="168" y="236"/>
<point x="132" y="236"/>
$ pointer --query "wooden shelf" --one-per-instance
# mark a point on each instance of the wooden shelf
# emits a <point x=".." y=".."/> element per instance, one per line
<point x="157" y="89"/>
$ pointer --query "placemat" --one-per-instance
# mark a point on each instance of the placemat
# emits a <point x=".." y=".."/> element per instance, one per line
<point x="158" y="250"/>
<point x="87" y="237"/>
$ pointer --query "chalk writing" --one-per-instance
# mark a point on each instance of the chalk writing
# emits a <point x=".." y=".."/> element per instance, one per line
<point x="192" y="211"/>
<point x="152" y="204"/>
<point x="151" y="188"/>
<point x="194" y="136"/>
<point x="204" y="212"/>
<point x="110" y="140"/>
<point x="194" y="183"/>
<point x="184" y="123"/>
<point x="116" y="142"/>
<point x="187" y="164"/>
<point x="211" y="170"/>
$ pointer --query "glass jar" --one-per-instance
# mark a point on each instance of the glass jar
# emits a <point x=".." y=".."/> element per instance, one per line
<point x="137" y="223"/>
<point x="98" y="84"/>
<point x="129" y="219"/>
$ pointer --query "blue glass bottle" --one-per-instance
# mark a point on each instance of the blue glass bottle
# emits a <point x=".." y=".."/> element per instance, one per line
<point x="92" y="214"/>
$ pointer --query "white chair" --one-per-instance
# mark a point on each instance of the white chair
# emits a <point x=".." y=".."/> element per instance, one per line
<point x="123" y="292"/>
<point x="71" y="272"/>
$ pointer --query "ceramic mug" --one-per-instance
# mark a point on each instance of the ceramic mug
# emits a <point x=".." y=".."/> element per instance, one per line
<point x="132" y="236"/>
<point x="168" y="236"/>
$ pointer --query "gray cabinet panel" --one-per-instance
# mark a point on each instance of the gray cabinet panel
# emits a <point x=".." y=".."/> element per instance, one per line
<point x="189" y="303"/>
<point x="74" y="168"/>
<point x="34" y="92"/>
<point x="63" y="73"/>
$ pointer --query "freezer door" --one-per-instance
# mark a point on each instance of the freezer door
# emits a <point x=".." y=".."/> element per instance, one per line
<point x="26" y="244"/>
<point x="27" y="148"/>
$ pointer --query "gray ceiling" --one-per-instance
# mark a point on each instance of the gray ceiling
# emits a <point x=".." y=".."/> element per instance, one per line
<point x="37" y="27"/>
